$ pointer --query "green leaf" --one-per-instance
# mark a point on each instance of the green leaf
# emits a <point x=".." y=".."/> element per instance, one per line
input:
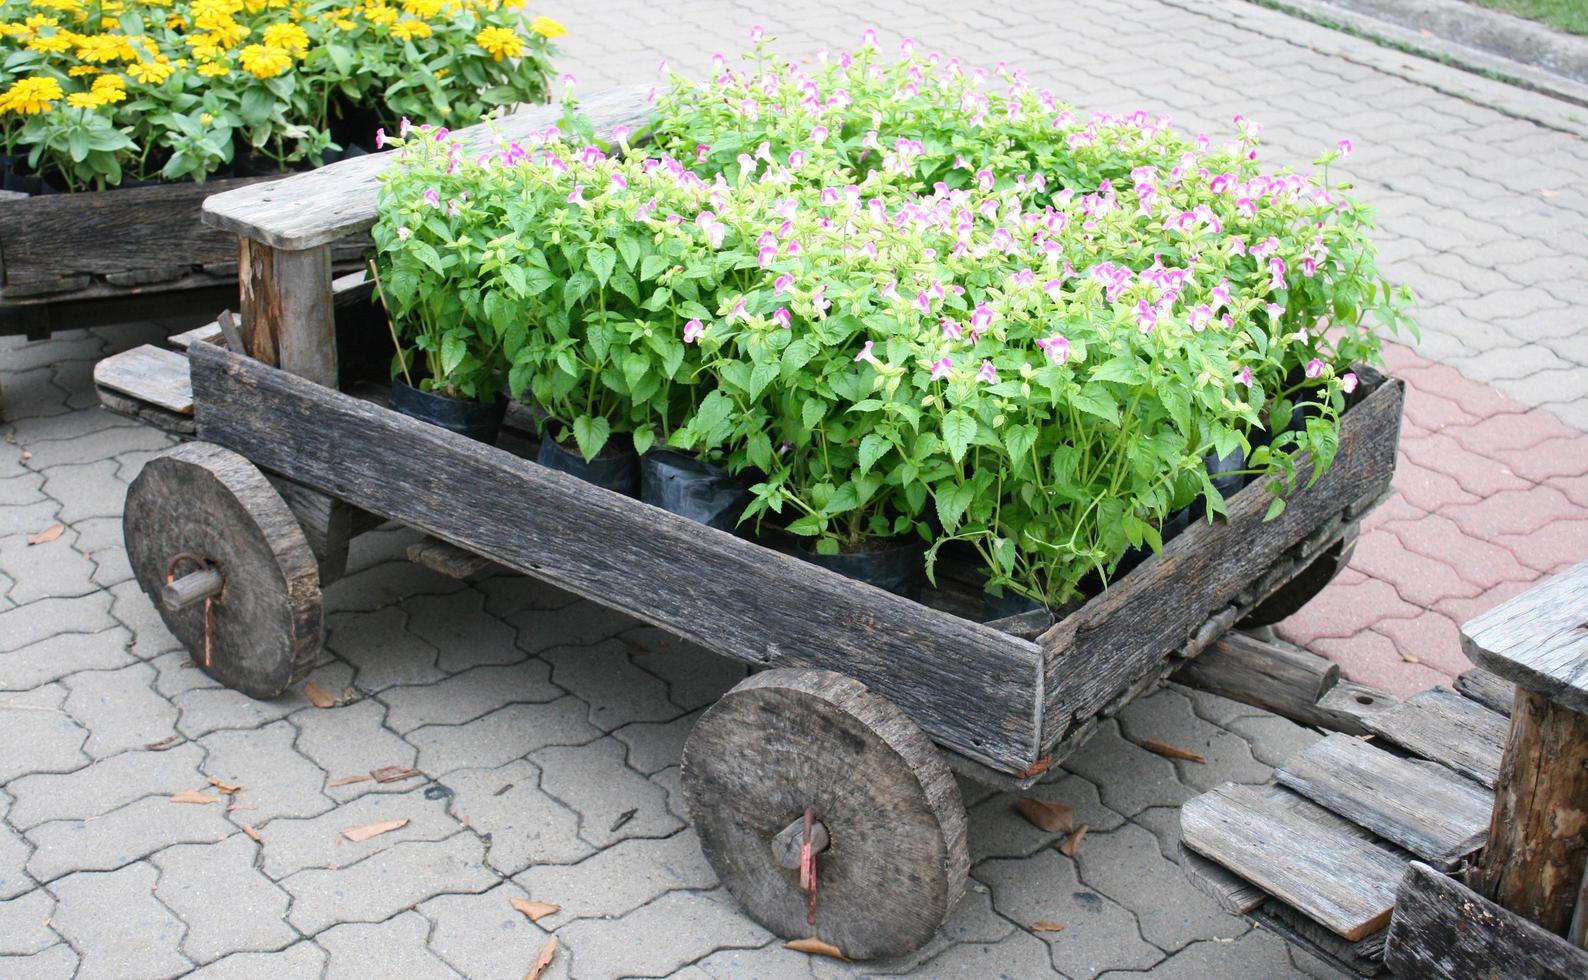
<point x="651" y="266"/>
<point x="1094" y="399"/>
<point x="958" y="430"/>
<point x="644" y="439"/>
<point x="629" y="248"/>
<point x="796" y="355"/>
<point x="453" y="351"/>
<point x="1124" y="369"/>
<point x="872" y="448"/>
<point x="602" y="260"/>
<point x="951" y="504"/>
<point x="591" y="434"/>
<point x="1275" y="508"/>
<point x="812" y="412"/>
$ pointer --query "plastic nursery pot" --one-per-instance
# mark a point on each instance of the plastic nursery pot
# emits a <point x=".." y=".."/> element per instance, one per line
<point x="12" y="179"/>
<point x="476" y="420"/>
<point x="898" y="567"/>
<point x="1226" y="472"/>
<point x="614" y="468"/>
<point x="1008" y="604"/>
<point x="686" y="486"/>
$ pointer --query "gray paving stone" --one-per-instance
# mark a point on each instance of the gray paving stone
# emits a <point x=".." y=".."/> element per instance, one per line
<point x="507" y="595"/>
<point x="483" y="935"/>
<point x="56" y="963"/>
<point x="207" y="707"/>
<point x="580" y="623"/>
<point x="118" y="926"/>
<point x="40" y="735"/>
<point x="502" y="736"/>
<point x="24" y="924"/>
<point x="973" y="921"/>
<point x="770" y="962"/>
<point x="55" y="657"/>
<point x="292" y="845"/>
<point x="616" y="881"/>
<point x="1166" y="716"/>
<point x="227" y="905"/>
<point x="381" y="648"/>
<point x="176" y="673"/>
<point x="122" y="836"/>
<point x="29" y="519"/>
<point x="1015" y="957"/>
<point x="53" y="569"/>
<point x="464" y="697"/>
<point x="656" y="745"/>
<point x="523" y="826"/>
<point x="103" y="786"/>
<point x="618" y="692"/>
<point x="1128" y="777"/>
<point x="133" y="609"/>
<point x="383" y="884"/>
<point x="394" y="948"/>
<point x="613" y="801"/>
<point x="303" y="959"/>
<point x="120" y="708"/>
<point x="458" y="626"/>
<point x="649" y="942"/>
<point x="998" y="830"/>
<point x="1099" y="934"/>
<point x="1163" y="822"/>
<point x="41" y="619"/>
<point x="14" y="880"/>
<point x="350" y="740"/>
<point x="276" y="780"/>
<point x="1274" y="740"/>
<point x="386" y="584"/>
<point x="1127" y="866"/>
<point x="695" y="676"/>
<point x="87" y="490"/>
<point x="1255" y="954"/>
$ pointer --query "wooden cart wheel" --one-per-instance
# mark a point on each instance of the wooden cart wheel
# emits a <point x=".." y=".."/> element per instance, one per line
<point x="1288" y="599"/>
<point x="888" y="824"/>
<point x="223" y="559"/>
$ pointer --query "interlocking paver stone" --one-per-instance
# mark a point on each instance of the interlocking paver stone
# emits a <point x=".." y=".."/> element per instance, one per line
<point x="379" y="644"/>
<point x="118" y="925"/>
<point x="998" y="830"/>
<point x="56" y="963"/>
<point x="13" y="857"/>
<point x="1125" y="865"/>
<point x="121" y="836"/>
<point x="276" y="779"/>
<point x="656" y="745"/>
<point x="502" y="736"/>
<point x="49" y="569"/>
<point x="349" y="740"/>
<point x="302" y="959"/>
<point x="522" y="824"/>
<point x="393" y="948"/>
<point x="384" y="883"/>
<point x="120" y="708"/>
<point x="1166" y="716"/>
<point x="613" y="801"/>
<point x="483" y="935"/>
<point x="54" y="657"/>
<point x="103" y="786"/>
<point x="24" y="924"/>
<point x="249" y="917"/>
<point x="292" y="845"/>
<point x="40" y="735"/>
<point x="618" y="692"/>
<point x="619" y="879"/>
<point x="1256" y="954"/>
<point x="654" y="939"/>
<point x="453" y="625"/>
<point x="1127" y="776"/>
<point x="466" y="696"/>
<point x="24" y="625"/>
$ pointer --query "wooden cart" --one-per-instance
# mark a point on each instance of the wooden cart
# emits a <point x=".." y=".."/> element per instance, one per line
<point x="865" y="700"/>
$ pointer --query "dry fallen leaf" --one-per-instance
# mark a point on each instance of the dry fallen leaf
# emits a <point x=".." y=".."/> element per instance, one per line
<point x="1069" y="847"/>
<point x="349" y="780"/>
<point x="1171" y="751"/>
<point x="164" y="743"/>
<point x="535" y="910"/>
<point x="391" y="774"/>
<point x="356" y="834"/>
<point x="816" y="947"/>
<point x="194" y="796"/>
<point x="318" y="696"/>
<point x="227" y="788"/>
<point x="1411" y="659"/>
<point x="48" y="534"/>
<point x="548" y="953"/>
<point x="1046" y="926"/>
<point x="248" y="829"/>
<point x="1055" y="818"/>
<point x="242" y="806"/>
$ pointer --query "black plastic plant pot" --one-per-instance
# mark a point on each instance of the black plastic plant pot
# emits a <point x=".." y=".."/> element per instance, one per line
<point x="686" y="486"/>
<point x="1008" y="604"/>
<point x="476" y="420"/>
<point x="1225" y="472"/>
<point x="898" y="567"/>
<point x="613" y="468"/>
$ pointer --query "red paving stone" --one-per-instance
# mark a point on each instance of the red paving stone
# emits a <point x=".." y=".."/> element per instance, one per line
<point x="1490" y="497"/>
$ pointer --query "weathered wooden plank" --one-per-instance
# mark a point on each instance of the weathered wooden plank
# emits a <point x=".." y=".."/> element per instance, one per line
<point x="1443" y="726"/>
<point x="1425" y="808"/>
<point x="1347" y="705"/>
<point x="447" y="559"/>
<point x="1233" y="893"/>
<point x="1310" y="862"/>
<point x="134" y="408"/>
<point x="1363" y="957"/>
<point x="970" y="687"/>
<point x="320" y="206"/>
<point x="289" y="316"/>
<point x="209" y="333"/>
<point x="1153" y="611"/>
<point x="150" y="374"/>
<point x="1443" y="930"/>
<point x="1488" y="689"/>
<point x="1285" y="680"/>
<point x="1538" y="639"/>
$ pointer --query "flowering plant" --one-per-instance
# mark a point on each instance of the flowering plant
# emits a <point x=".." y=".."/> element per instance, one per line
<point x="918" y="299"/>
<point x="93" y="92"/>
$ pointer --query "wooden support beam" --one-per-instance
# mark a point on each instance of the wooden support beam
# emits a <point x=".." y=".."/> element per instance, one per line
<point x="1284" y="680"/>
<point x="288" y="319"/>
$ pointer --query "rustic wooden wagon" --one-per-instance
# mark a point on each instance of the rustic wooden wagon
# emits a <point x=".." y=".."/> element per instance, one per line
<point x="866" y="702"/>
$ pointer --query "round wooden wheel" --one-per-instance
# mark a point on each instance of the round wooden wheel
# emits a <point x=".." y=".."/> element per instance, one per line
<point x="887" y="818"/>
<point x="1288" y="599"/>
<point x="258" y="627"/>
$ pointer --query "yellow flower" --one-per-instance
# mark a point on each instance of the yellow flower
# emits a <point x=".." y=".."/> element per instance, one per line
<point x="84" y="100"/>
<point x="343" y="24"/>
<point x="227" y="35"/>
<point x="287" y="37"/>
<point x="263" y="61"/>
<point x="39" y="20"/>
<point x="78" y="71"/>
<point x="101" y="48"/>
<point x="408" y="28"/>
<point x="111" y="6"/>
<point x="175" y="22"/>
<point x="53" y="43"/>
<point x="74" y="7"/>
<point x="151" y="72"/>
<point x="423" y="9"/>
<point x="28" y="96"/>
<point x="15" y="30"/>
<point x="110" y="88"/>
<point x="379" y="14"/>
<point x="547" y="28"/>
<point x="499" y="43"/>
<point x="204" y="49"/>
<point x="214" y="9"/>
<point x="211" y="69"/>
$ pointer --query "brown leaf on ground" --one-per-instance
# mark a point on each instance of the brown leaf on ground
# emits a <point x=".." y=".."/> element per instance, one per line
<point x="164" y="743"/>
<point x="349" y="780"/>
<point x="1171" y="751"/>
<point x="1069" y="847"/>
<point x="224" y="787"/>
<point x="248" y="829"/>
<point x="242" y="806"/>
<point x="356" y="834"/>
<point x="535" y="910"/>
<point x="47" y="535"/>
<point x="391" y="774"/>
<point x="194" y="796"/>
<point x="1046" y="926"/>
<point x="318" y="696"/>
<point x="548" y="953"/>
<point x="815" y="947"/>
<point x="349" y="695"/>
<point x="1055" y="818"/>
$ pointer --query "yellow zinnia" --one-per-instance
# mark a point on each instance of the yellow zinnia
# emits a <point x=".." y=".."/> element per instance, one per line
<point x="547" y="28"/>
<point x="28" y="96"/>
<point x="408" y="28"/>
<point x="381" y="15"/>
<point x="264" y="61"/>
<point x="499" y="43"/>
<point x="211" y="69"/>
<point x="151" y="72"/>
<point x="84" y="100"/>
<point x="110" y="88"/>
<point x="78" y="71"/>
<point x="53" y="43"/>
<point x="100" y="48"/>
<point x="287" y="37"/>
<point x="423" y="9"/>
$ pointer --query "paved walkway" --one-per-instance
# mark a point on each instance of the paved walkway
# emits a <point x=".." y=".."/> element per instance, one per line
<point x="541" y="721"/>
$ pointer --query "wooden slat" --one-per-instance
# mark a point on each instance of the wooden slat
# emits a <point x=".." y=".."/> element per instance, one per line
<point x="1443" y="930"/>
<point x="1159" y="606"/>
<point x="1425" y="808"/>
<point x="320" y="206"/>
<point x="1348" y="704"/>
<point x="447" y="559"/>
<point x="1539" y="639"/>
<point x="1443" y="726"/>
<point x="1319" y="865"/>
<point x="1488" y="689"/>
<point x="970" y="687"/>
<point x="209" y="333"/>
<point x="1285" y="680"/>
<point x="150" y="374"/>
<point x="1363" y="957"/>
<point x="1233" y="893"/>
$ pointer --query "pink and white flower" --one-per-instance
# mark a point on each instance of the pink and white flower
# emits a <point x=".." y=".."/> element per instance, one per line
<point x="1348" y="382"/>
<point x="1056" y="347"/>
<point x="693" y="331"/>
<point x="987" y="374"/>
<point x="941" y="369"/>
<point x="866" y="355"/>
<point x="1315" y="368"/>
